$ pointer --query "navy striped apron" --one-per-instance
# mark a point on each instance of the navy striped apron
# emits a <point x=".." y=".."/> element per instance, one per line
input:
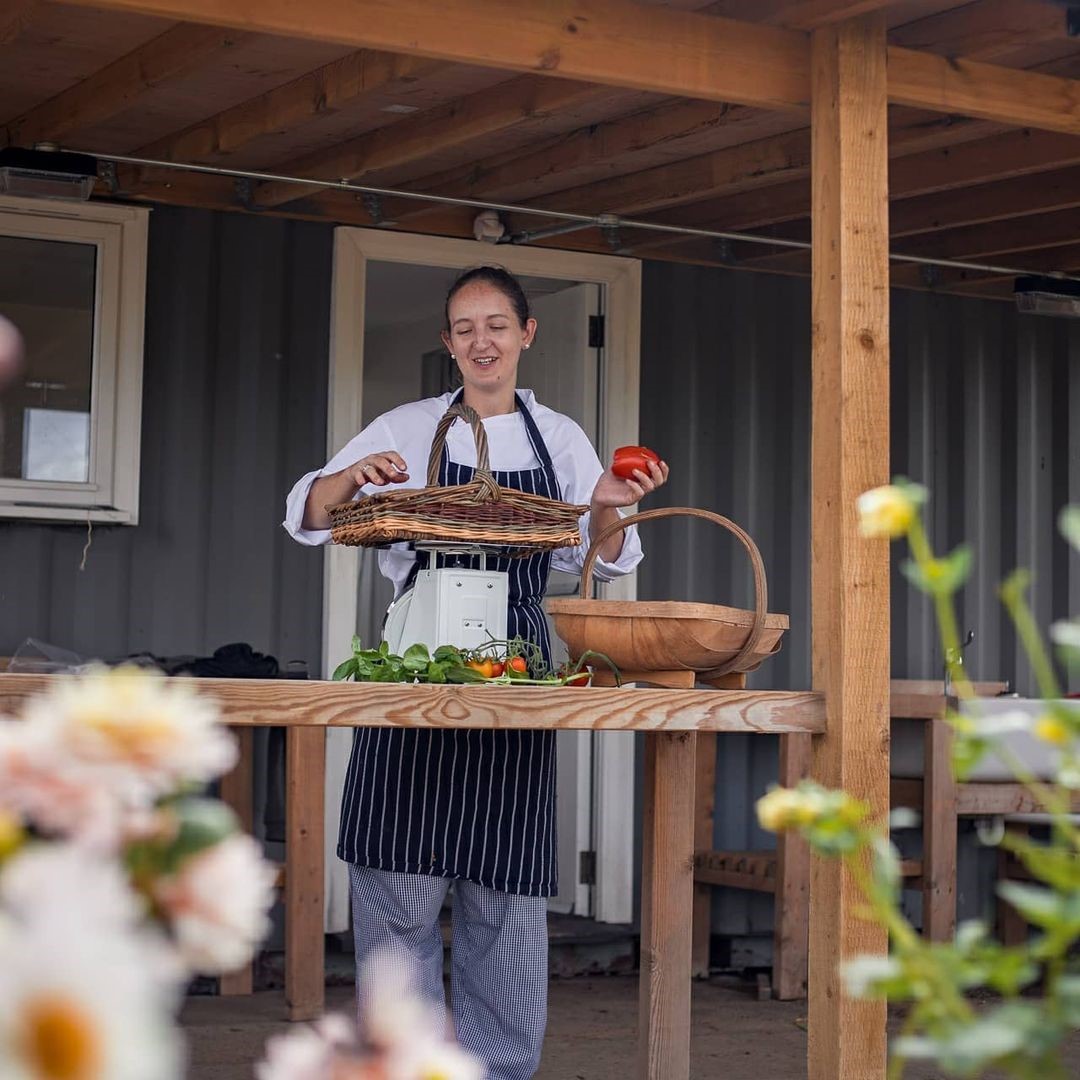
<point x="478" y="805"/>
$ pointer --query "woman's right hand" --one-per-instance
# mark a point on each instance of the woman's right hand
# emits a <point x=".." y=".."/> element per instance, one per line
<point x="386" y="467"/>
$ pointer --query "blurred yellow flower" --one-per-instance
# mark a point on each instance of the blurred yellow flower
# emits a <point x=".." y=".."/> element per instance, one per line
<point x="11" y="834"/>
<point x="786" y="808"/>
<point x="1051" y="729"/>
<point x="886" y="511"/>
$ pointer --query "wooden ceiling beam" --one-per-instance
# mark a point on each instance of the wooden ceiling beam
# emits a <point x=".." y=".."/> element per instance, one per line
<point x="986" y="91"/>
<point x="316" y="93"/>
<point x="621" y="43"/>
<point x="14" y="19"/>
<point x="481" y="114"/>
<point x="118" y="85"/>
<point x="611" y="42"/>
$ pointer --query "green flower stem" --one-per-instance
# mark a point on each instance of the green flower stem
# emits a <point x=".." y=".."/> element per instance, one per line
<point x="1019" y="609"/>
<point x="1048" y="797"/>
<point x="946" y="614"/>
<point x="896" y="1062"/>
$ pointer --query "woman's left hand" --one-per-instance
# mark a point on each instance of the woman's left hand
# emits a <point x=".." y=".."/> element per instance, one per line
<point x="614" y="492"/>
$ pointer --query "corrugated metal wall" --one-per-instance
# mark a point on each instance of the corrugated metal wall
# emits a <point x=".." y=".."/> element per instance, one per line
<point x="234" y="409"/>
<point x="981" y="406"/>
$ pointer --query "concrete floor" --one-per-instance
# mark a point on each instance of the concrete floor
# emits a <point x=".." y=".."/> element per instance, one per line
<point x="591" y="1033"/>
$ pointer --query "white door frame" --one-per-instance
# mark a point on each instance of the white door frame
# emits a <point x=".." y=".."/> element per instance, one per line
<point x="353" y="247"/>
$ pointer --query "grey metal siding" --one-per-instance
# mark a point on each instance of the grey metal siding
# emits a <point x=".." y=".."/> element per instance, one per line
<point x="234" y="409"/>
<point x="982" y="400"/>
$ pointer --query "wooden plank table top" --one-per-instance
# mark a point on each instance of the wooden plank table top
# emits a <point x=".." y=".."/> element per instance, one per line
<point x="315" y="703"/>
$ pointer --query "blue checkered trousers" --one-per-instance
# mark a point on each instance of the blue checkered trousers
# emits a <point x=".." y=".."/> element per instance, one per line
<point x="423" y="807"/>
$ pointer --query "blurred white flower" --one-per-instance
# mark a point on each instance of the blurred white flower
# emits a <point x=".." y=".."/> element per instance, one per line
<point x="863" y="975"/>
<point x="66" y="884"/>
<point x="59" y="796"/>
<point x="888" y="511"/>
<point x="140" y="733"/>
<point x="308" y="1052"/>
<point x="217" y="904"/>
<point x="79" y="1002"/>
<point x="430" y="1059"/>
<point x="392" y="1012"/>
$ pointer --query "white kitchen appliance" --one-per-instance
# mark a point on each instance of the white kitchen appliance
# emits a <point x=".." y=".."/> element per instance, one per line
<point x="451" y="605"/>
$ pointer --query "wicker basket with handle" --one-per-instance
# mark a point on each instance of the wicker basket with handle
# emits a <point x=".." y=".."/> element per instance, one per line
<point x="668" y="638"/>
<point x="480" y="511"/>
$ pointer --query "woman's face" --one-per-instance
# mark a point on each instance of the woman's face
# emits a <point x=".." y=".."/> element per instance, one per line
<point x="486" y="337"/>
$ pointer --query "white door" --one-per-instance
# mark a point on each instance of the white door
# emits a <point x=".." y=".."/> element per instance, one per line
<point x="564" y="371"/>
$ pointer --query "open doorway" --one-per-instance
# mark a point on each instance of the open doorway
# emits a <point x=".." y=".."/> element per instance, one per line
<point x="389" y="292"/>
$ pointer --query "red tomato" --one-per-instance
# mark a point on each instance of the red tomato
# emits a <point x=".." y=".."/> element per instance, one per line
<point x="496" y="668"/>
<point x="629" y="458"/>
<point x="516" y="666"/>
<point x="581" y="679"/>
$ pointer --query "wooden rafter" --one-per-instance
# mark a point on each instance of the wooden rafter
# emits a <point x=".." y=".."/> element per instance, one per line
<point x="986" y="30"/>
<point x="14" y="19"/>
<point x="324" y="90"/>
<point x="480" y="114"/>
<point x="116" y="86"/>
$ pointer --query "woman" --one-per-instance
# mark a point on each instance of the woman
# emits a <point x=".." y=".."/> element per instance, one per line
<point x="423" y="807"/>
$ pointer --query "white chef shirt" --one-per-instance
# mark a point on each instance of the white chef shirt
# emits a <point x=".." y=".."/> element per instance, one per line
<point x="409" y="430"/>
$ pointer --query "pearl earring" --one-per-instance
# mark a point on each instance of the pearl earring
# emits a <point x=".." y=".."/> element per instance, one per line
<point x="525" y="346"/>
<point x="453" y="356"/>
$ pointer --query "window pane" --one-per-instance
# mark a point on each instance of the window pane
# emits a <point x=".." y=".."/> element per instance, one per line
<point x="47" y="291"/>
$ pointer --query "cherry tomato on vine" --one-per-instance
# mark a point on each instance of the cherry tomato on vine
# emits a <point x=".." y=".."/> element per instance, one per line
<point x="516" y="667"/>
<point x="485" y="667"/>
<point x="631" y="458"/>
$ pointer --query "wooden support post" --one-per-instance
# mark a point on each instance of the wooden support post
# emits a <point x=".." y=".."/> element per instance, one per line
<point x="849" y="453"/>
<point x="667" y="895"/>
<point x="791" y="911"/>
<point x="939" y="826"/>
<point x="305" y="778"/>
<point x="238" y="792"/>
<point x="704" y="809"/>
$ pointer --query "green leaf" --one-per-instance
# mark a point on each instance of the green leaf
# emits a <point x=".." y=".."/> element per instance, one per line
<point x="1041" y="907"/>
<point x="416" y="658"/>
<point x="1069" y="525"/>
<point x="345" y="670"/>
<point x="384" y="648"/>
<point x="448" y="652"/>
<point x="436" y="673"/>
<point x="940" y="577"/>
<point x="202" y="824"/>
<point x="456" y="674"/>
<point x="356" y="644"/>
<point x="1069" y="997"/>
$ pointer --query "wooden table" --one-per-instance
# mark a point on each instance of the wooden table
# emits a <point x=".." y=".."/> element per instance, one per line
<point x="670" y="719"/>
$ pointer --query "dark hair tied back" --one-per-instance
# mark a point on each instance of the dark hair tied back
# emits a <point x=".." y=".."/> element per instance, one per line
<point x="497" y="277"/>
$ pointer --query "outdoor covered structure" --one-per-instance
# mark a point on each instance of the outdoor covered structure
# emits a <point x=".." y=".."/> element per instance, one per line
<point x="764" y="117"/>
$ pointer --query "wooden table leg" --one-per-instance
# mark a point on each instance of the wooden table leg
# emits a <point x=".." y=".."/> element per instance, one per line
<point x="939" y="827"/>
<point x="704" y="810"/>
<point x="238" y="792"/>
<point x="305" y="760"/>
<point x="667" y="898"/>
<point x="791" y="925"/>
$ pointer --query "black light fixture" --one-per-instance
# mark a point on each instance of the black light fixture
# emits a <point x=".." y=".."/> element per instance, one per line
<point x="1047" y="296"/>
<point x="46" y="173"/>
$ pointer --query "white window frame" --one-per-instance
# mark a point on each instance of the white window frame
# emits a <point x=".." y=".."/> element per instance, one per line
<point x="111" y="493"/>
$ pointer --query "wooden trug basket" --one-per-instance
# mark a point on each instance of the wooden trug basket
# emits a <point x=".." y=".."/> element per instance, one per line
<point x="479" y="512"/>
<point x="667" y="642"/>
